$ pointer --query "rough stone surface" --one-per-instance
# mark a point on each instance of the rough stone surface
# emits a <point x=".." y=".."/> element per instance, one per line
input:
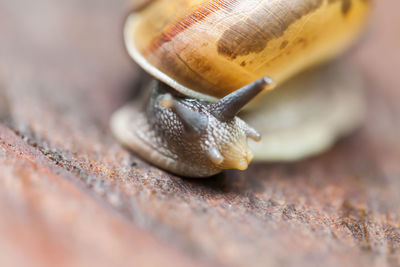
<point x="70" y="194"/>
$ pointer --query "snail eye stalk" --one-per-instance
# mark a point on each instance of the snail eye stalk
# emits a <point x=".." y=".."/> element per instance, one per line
<point x="194" y="121"/>
<point x="229" y="106"/>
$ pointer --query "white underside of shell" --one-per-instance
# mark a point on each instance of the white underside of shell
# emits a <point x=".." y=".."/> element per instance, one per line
<point x="308" y="114"/>
<point x="131" y="23"/>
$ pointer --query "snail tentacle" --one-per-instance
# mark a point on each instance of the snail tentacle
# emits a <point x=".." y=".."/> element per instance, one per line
<point x="229" y="106"/>
<point x="195" y="122"/>
<point x="253" y="134"/>
<point x="215" y="156"/>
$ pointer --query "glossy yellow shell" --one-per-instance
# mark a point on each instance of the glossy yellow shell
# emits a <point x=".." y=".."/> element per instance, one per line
<point x="208" y="49"/>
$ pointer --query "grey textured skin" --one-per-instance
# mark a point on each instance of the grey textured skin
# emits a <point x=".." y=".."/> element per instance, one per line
<point x="185" y="137"/>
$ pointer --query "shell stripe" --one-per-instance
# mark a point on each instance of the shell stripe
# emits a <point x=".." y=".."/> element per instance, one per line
<point x="198" y="15"/>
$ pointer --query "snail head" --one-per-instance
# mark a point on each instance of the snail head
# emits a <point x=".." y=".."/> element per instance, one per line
<point x="199" y="137"/>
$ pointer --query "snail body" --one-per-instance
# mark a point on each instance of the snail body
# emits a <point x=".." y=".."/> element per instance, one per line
<point x="212" y="58"/>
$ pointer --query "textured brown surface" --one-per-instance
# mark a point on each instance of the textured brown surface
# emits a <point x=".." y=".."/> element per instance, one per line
<point x="70" y="194"/>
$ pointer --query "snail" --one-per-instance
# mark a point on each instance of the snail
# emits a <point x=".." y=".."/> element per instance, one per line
<point x="211" y="58"/>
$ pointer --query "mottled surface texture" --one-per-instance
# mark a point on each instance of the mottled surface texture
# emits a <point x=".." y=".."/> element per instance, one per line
<point x="70" y="194"/>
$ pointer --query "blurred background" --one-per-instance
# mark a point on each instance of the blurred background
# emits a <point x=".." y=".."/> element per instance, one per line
<point x="71" y="196"/>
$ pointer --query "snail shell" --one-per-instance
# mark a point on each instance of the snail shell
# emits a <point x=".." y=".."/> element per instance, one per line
<point x="213" y="57"/>
<point x="208" y="49"/>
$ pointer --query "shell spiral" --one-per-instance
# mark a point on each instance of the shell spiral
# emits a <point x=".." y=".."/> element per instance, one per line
<point x="210" y="48"/>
